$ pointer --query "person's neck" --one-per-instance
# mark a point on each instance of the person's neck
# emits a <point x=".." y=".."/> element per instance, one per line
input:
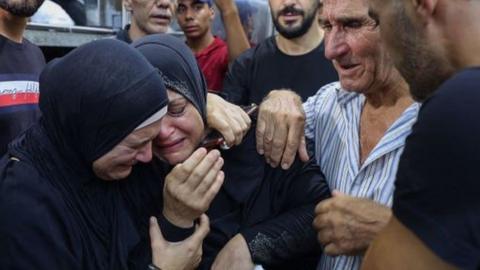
<point x="303" y="44"/>
<point x="393" y="94"/>
<point x="11" y="26"/>
<point x="467" y="46"/>
<point x="134" y="32"/>
<point x="199" y="44"/>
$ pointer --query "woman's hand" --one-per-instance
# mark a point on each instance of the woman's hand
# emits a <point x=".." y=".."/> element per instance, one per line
<point x="184" y="255"/>
<point x="191" y="186"/>
<point x="228" y="119"/>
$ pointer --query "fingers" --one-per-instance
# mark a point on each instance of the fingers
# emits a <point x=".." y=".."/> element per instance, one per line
<point x="228" y="119"/>
<point x="278" y="144"/>
<point x="224" y="126"/>
<point x="156" y="237"/>
<point x="203" y="228"/>
<point x="332" y="249"/>
<point x="240" y="123"/>
<point x="209" y="179"/>
<point x="280" y="128"/>
<point x="260" y="133"/>
<point x="213" y="190"/>
<point x="302" y="150"/>
<point x="182" y="171"/>
<point x="325" y="236"/>
<point x="294" y="139"/>
<point x="206" y="166"/>
<point x="323" y="207"/>
<point x="268" y="140"/>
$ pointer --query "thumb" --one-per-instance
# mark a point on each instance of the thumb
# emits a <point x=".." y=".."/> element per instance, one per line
<point x="201" y="231"/>
<point x="156" y="237"/>
<point x="302" y="150"/>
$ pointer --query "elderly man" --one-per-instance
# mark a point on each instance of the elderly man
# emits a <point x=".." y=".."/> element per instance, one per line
<point x="148" y="17"/>
<point x="358" y="126"/>
<point x="294" y="59"/>
<point x="435" y="222"/>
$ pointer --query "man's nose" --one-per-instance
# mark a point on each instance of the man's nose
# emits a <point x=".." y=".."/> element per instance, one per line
<point x="335" y="44"/>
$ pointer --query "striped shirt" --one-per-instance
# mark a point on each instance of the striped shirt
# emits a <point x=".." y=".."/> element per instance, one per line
<point x="333" y="121"/>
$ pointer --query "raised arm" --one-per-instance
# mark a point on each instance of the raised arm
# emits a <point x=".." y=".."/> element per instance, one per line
<point x="237" y="40"/>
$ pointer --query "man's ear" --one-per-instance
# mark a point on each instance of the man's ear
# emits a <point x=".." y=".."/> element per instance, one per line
<point x="128" y="5"/>
<point x="424" y="9"/>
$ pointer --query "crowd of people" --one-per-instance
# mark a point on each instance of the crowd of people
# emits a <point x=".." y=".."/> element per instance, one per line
<point x="362" y="154"/>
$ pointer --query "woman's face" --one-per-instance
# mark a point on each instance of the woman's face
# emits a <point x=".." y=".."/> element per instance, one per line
<point x="117" y="163"/>
<point x="180" y="132"/>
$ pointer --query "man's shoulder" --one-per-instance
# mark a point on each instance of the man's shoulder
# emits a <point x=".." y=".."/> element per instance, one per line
<point x="263" y="49"/>
<point x="456" y="97"/>
<point x="332" y="92"/>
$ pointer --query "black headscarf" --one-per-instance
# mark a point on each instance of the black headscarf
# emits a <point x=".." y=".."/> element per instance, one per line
<point x="90" y="100"/>
<point x="178" y="67"/>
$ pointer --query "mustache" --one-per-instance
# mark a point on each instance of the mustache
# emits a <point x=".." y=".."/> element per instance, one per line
<point x="292" y="10"/>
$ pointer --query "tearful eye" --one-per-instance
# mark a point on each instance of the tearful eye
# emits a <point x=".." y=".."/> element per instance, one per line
<point x="177" y="109"/>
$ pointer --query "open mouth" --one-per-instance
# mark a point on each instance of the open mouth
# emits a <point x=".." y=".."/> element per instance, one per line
<point x="348" y="66"/>
<point x="161" y="18"/>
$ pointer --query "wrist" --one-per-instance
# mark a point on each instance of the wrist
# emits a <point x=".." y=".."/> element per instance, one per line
<point x="177" y="220"/>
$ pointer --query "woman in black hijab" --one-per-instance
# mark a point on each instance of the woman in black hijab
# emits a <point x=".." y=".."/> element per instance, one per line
<point x="271" y="209"/>
<point x="60" y="202"/>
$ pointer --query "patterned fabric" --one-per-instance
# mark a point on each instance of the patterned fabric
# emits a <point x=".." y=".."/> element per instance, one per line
<point x="333" y="121"/>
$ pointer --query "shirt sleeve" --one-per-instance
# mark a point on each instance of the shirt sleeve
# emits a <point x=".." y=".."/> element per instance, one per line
<point x="436" y="194"/>
<point x="236" y="86"/>
<point x="289" y="235"/>
<point x="312" y="108"/>
<point x="34" y="233"/>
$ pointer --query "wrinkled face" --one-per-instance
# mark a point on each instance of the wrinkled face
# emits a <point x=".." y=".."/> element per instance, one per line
<point x="420" y="60"/>
<point x="352" y="42"/>
<point x="181" y="130"/>
<point x="136" y="147"/>
<point x="293" y="18"/>
<point x="150" y="16"/>
<point x="21" y="8"/>
<point x="195" y="18"/>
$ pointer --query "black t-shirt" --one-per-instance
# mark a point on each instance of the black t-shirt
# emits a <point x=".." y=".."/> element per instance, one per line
<point x="20" y="67"/>
<point x="264" y="68"/>
<point x="437" y="193"/>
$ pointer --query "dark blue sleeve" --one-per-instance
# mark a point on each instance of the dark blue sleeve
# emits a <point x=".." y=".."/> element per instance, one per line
<point x="34" y="233"/>
<point x="288" y="234"/>
<point x="438" y="181"/>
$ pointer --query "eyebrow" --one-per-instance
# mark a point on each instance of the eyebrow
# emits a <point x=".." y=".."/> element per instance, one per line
<point x="346" y="19"/>
<point x="374" y="15"/>
<point x="178" y="99"/>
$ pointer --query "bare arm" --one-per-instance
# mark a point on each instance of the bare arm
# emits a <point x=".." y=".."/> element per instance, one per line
<point x="237" y="40"/>
<point x="397" y="248"/>
<point x="347" y="225"/>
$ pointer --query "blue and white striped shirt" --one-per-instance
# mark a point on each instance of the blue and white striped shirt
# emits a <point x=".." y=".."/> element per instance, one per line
<point x="333" y="121"/>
